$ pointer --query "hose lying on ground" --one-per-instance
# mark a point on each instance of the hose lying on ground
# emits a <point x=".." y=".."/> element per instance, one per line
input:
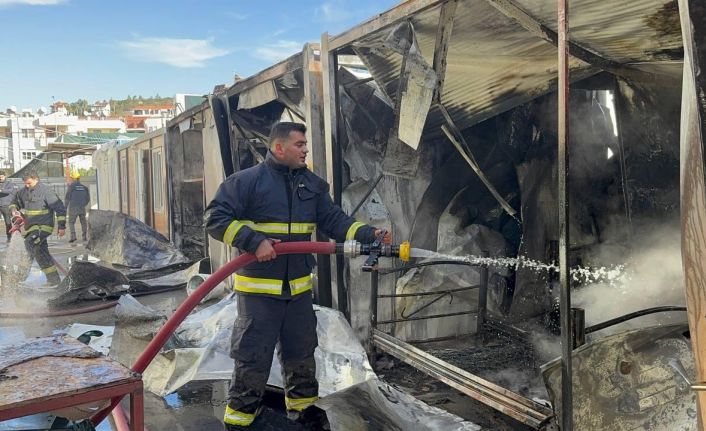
<point x="153" y="348"/>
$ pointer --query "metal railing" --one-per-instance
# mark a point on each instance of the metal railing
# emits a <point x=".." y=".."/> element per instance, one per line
<point x="482" y="287"/>
<point x="501" y="399"/>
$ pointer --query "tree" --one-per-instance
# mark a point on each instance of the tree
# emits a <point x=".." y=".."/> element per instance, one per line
<point x="78" y="107"/>
<point x="90" y="172"/>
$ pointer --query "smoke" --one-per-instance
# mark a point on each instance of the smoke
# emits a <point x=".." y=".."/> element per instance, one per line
<point x="652" y="277"/>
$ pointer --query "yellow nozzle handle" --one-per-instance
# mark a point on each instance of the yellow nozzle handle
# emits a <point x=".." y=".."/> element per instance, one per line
<point x="404" y="251"/>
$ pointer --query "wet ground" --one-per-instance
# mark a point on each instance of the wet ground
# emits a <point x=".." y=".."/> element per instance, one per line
<point x="200" y="406"/>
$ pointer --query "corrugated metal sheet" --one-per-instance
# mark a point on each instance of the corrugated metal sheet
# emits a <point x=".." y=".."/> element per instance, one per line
<point x="494" y="64"/>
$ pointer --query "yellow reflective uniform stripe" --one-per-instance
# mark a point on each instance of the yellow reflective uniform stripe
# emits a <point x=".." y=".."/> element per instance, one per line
<point x="353" y="229"/>
<point x="267" y="227"/>
<point x="270" y="285"/>
<point x="235" y="417"/>
<point x="60" y="218"/>
<point x="299" y="404"/>
<point x="302" y="284"/>
<point x="36" y="212"/>
<point x="303" y="227"/>
<point x="232" y="230"/>
<point x="257" y="285"/>
<point x="42" y="227"/>
<point x="49" y="270"/>
<point x="284" y="228"/>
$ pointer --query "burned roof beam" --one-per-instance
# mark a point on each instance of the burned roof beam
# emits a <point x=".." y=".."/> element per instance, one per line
<point x="386" y="19"/>
<point x="441" y="48"/>
<point x="290" y="64"/>
<point x="532" y="25"/>
<point x="454" y="135"/>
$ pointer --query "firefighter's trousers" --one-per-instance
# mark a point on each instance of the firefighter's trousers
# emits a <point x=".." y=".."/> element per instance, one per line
<point x="262" y="324"/>
<point x="37" y="248"/>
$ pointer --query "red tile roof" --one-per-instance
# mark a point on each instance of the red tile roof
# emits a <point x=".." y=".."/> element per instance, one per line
<point x="135" y="122"/>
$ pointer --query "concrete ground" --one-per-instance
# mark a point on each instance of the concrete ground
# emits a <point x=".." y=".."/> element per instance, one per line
<point x="200" y="406"/>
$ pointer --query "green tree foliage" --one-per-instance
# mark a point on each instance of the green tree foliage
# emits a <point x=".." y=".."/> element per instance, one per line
<point x="90" y="172"/>
<point x="78" y="107"/>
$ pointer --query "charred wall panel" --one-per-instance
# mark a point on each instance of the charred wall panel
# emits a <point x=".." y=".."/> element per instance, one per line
<point x="185" y="157"/>
<point x="649" y="121"/>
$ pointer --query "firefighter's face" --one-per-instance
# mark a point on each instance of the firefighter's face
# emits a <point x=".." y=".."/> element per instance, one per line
<point x="31" y="182"/>
<point x="293" y="152"/>
<point x="2" y="177"/>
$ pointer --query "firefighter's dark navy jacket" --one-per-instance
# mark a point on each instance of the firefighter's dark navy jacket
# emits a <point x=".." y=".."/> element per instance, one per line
<point x="10" y="188"/>
<point x="271" y="201"/>
<point x="77" y="197"/>
<point x="40" y="204"/>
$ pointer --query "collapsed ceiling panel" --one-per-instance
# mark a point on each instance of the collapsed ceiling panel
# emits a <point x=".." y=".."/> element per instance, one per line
<point x="624" y="31"/>
<point x="257" y="95"/>
<point x="495" y="64"/>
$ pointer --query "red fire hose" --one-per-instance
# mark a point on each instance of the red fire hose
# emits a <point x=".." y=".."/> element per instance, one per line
<point x="301" y="247"/>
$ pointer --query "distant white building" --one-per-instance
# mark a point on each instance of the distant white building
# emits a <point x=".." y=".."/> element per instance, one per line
<point x="25" y="134"/>
<point x="100" y="109"/>
<point x="148" y="118"/>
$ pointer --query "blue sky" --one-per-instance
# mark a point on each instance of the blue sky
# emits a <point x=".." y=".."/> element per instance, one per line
<point x="100" y="49"/>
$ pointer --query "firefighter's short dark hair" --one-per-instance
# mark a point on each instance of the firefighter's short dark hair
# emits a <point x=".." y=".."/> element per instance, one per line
<point x="30" y="174"/>
<point x="282" y="130"/>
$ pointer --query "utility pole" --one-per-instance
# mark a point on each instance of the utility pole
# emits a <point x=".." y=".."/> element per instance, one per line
<point x="567" y="420"/>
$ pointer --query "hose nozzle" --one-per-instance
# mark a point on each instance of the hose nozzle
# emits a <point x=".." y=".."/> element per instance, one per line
<point x="374" y="250"/>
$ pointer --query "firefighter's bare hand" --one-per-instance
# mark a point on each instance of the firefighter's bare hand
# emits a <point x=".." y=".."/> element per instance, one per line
<point x="265" y="251"/>
<point x="387" y="239"/>
<point x="16" y="213"/>
<point x="61" y="232"/>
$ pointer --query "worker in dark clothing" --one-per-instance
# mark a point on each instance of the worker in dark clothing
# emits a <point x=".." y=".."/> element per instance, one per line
<point x="39" y="205"/>
<point x="7" y="190"/>
<point x="278" y="200"/>
<point x="77" y="198"/>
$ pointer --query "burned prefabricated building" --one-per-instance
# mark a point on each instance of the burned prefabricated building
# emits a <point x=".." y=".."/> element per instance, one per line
<point x="438" y="121"/>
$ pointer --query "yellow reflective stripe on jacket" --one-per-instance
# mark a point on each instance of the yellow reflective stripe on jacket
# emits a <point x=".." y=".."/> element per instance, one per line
<point x="271" y="286"/>
<point x="283" y="228"/>
<point x="42" y="227"/>
<point x="49" y="270"/>
<point x="235" y="417"/>
<point x="232" y="230"/>
<point x="302" y="284"/>
<point x="353" y="229"/>
<point x="257" y="285"/>
<point x="272" y="227"/>
<point x="60" y="218"/>
<point x="36" y="212"/>
<point x="299" y="404"/>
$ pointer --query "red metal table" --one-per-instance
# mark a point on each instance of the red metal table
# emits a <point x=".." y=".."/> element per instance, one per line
<point x="31" y="384"/>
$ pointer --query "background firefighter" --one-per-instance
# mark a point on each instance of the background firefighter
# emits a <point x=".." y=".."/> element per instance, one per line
<point x="77" y="198"/>
<point x="8" y="189"/>
<point x="278" y="200"/>
<point x="39" y="204"/>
